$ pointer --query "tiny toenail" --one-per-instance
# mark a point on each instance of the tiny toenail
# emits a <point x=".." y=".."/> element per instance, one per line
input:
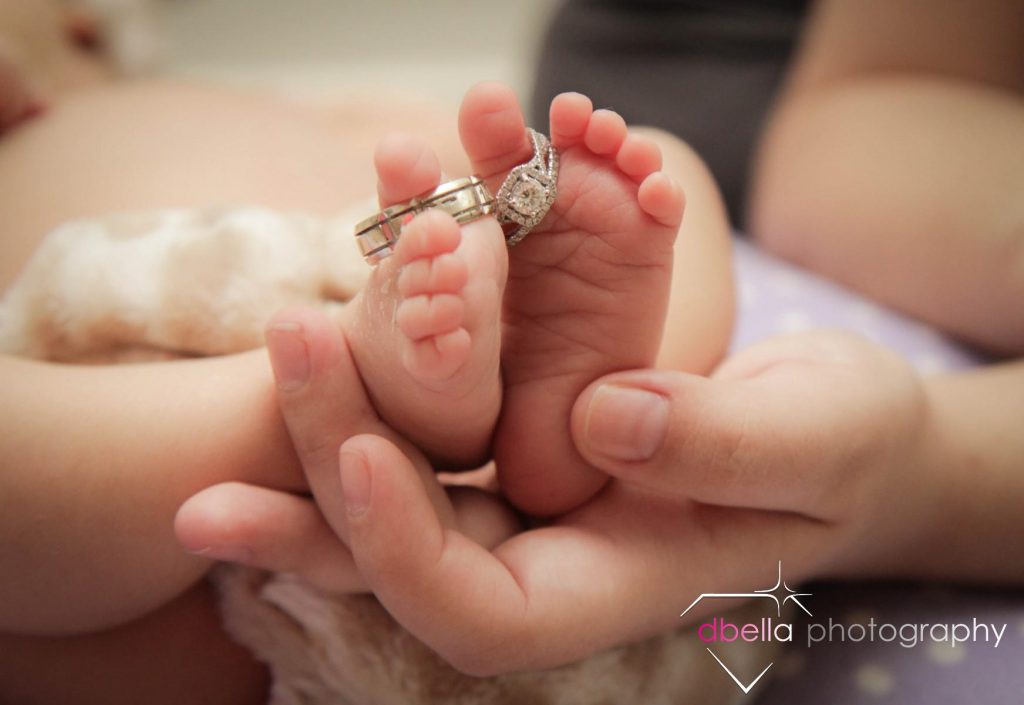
<point x="289" y="355"/>
<point x="626" y="423"/>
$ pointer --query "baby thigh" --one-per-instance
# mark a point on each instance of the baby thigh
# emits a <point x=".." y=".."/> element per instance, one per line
<point x="179" y="653"/>
<point x="701" y="308"/>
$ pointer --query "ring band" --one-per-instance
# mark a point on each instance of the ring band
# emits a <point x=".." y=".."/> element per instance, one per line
<point x="464" y="199"/>
<point x="528" y="191"/>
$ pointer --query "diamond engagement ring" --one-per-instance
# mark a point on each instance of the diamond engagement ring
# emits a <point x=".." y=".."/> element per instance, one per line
<point x="528" y="191"/>
<point x="464" y="199"/>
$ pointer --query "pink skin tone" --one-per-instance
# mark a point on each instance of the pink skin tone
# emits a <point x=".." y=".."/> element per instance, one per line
<point x="425" y="332"/>
<point x="819" y="449"/>
<point x="939" y="471"/>
<point x="432" y="312"/>
<point x="588" y="291"/>
<point x="448" y="280"/>
<point x="588" y="288"/>
<point x="942" y="471"/>
<point x="646" y="544"/>
<point x="282" y="531"/>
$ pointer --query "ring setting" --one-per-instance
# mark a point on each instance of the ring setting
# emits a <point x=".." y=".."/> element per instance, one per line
<point x="528" y="191"/>
<point x="524" y="198"/>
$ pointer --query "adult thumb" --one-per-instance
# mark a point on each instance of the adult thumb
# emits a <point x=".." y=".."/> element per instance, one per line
<point x="724" y="442"/>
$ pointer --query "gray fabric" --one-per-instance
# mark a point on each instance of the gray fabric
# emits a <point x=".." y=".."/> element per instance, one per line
<point x="705" y="71"/>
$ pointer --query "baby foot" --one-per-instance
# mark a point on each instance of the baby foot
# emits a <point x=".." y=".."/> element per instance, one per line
<point x="588" y="288"/>
<point x="425" y="331"/>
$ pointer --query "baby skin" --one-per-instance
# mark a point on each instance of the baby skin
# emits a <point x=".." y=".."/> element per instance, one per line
<point x="425" y="331"/>
<point x="586" y="294"/>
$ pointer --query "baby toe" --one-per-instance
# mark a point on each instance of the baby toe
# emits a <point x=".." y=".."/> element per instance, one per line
<point x="570" y="114"/>
<point x="406" y="167"/>
<point x="438" y="357"/>
<point x="423" y="316"/>
<point x="493" y="130"/>
<point x="638" y="157"/>
<point x="446" y="273"/>
<point x="430" y="234"/>
<point x="662" y="198"/>
<point x="605" y="132"/>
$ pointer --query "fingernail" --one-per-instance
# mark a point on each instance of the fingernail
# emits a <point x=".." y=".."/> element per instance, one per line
<point x="355" y="483"/>
<point x="288" y="355"/>
<point x="626" y="423"/>
<point x="233" y="554"/>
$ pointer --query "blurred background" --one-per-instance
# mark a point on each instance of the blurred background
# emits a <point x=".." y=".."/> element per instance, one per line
<point x="431" y="49"/>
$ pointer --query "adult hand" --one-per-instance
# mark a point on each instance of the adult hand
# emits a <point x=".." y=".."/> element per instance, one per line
<point x="626" y="564"/>
<point x="823" y="424"/>
<point x="800" y="449"/>
<point x="323" y="402"/>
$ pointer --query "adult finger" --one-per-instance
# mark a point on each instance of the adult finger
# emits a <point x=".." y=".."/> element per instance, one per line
<point x="267" y="529"/>
<point x="784" y="438"/>
<point x="283" y="532"/>
<point x="433" y="579"/>
<point x="322" y="399"/>
<point x="620" y="569"/>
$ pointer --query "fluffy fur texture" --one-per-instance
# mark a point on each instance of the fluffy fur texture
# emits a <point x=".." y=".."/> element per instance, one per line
<point x="175" y="283"/>
<point x="187" y="283"/>
<point x="349" y="651"/>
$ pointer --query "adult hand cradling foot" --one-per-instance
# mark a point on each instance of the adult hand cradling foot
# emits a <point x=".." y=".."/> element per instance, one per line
<point x="817" y="448"/>
<point x="787" y="451"/>
<point x="821" y="449"/>
<point x="320" y="395"/>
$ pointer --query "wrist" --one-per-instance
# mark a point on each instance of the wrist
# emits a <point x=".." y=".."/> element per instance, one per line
<point x="921" y="494"/>
<point x="975" y="459"/>
<point x="890" y="525"/>
<point x="953" y="507"/>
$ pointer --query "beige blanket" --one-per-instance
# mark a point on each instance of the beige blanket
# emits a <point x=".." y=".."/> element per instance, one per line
<point x="184" y="283"/>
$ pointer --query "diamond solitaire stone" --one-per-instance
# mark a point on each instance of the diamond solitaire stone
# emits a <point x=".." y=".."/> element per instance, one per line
<point x="528" y="191"/>
<point x="527" y="196"/>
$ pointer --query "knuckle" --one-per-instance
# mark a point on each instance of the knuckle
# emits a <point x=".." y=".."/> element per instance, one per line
<point x="718" y="454"/>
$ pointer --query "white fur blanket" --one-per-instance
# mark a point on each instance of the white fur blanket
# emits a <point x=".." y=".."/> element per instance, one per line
<point x="183" y="283"/>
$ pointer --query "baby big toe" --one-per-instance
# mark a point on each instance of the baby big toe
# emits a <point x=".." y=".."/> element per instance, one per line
<point x="437" y="358"/>
<point x="406" y="167"/>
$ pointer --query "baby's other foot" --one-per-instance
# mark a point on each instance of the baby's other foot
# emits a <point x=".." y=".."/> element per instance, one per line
<point x="588" y="288"/>
<point x="426" y="330"/>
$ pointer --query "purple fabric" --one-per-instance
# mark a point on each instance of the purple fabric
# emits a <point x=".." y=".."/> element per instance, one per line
<point x="775" y="298"/>
<point x="927" y="673"/>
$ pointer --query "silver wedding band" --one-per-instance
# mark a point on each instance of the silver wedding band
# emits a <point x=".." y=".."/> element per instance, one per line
<point x="464" y="199"/>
